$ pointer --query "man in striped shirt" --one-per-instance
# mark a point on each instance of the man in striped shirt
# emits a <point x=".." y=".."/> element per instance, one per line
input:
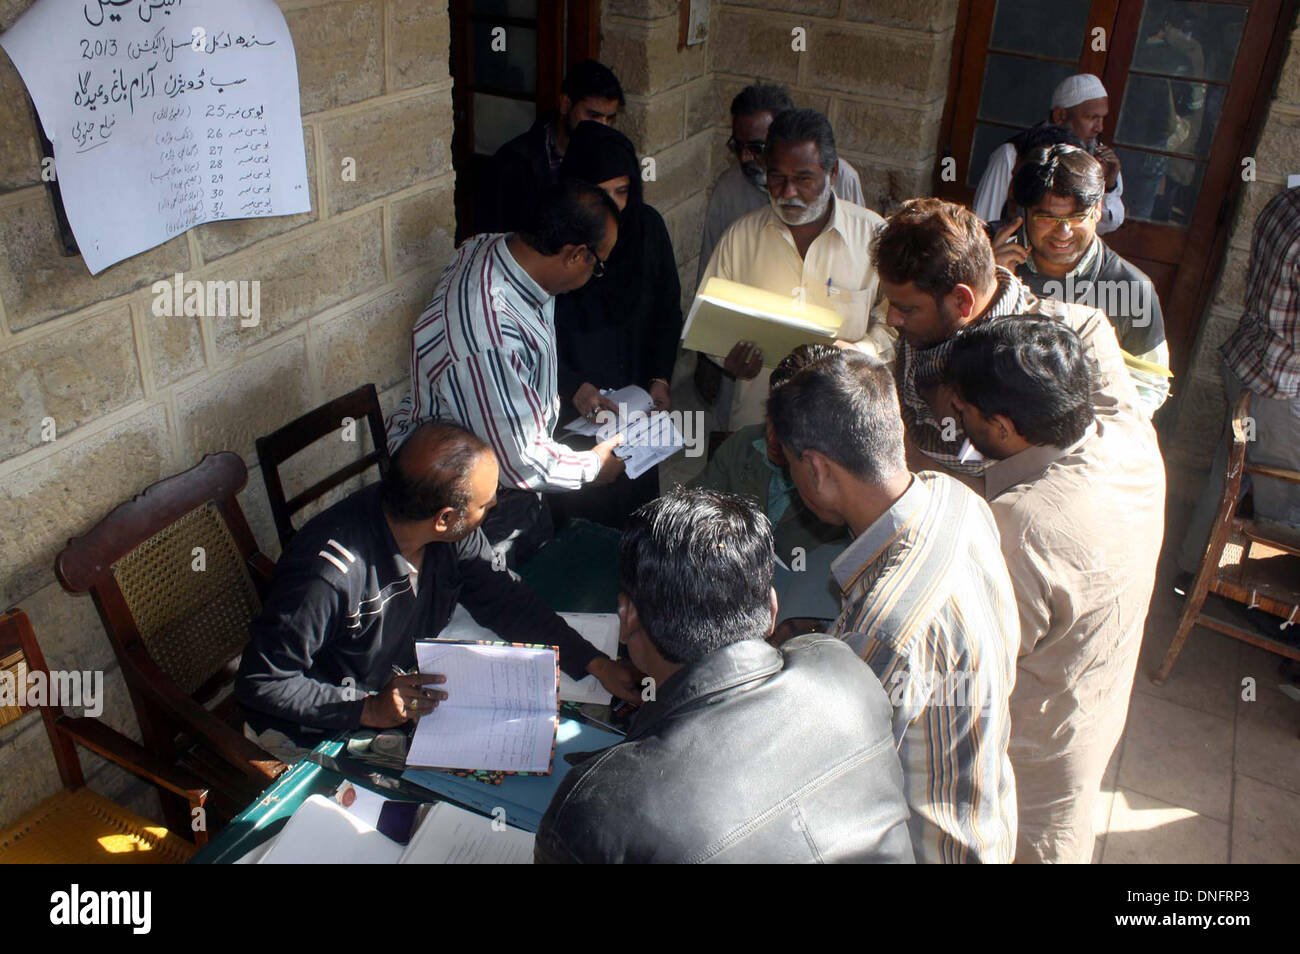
<point x="928" y="603"/>
<point x="483" y="355"/>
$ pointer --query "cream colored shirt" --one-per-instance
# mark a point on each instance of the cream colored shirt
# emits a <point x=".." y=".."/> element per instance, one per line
<point x="759" y="250"/>
<point x="1081" y="529"/>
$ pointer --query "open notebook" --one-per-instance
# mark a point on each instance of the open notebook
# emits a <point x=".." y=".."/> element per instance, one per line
<point x="599" y="629"/>
<point x="323" y="832"/>
<point x="500" y="712"/>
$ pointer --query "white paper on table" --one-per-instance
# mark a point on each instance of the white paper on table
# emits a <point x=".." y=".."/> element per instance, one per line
<point x="323" y="832"/>
<point x="165" y="117"/>
<point x="450" y="835"/>
<point x="500" y="712"/>
<point x="366" y="805"/>
<point x="599" y="629"/>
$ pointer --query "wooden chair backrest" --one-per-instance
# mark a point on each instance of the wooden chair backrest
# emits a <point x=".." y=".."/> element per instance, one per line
<point x="169" y="573"/>
<point x="276" y="448"/>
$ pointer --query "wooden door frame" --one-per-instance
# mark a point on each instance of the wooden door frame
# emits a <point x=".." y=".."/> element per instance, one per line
<point x="966" y="81"/>
<point x="1208" y="237"/>
<point x="565" y="35"/>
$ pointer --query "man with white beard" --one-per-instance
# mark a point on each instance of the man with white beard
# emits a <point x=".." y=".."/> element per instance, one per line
<point x="806" y="243"/>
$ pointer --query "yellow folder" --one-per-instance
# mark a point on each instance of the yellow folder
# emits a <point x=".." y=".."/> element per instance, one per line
<point x="725" y="312"/>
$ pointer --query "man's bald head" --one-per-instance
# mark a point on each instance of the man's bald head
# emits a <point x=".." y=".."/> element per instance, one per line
<point x="433" y="470"/>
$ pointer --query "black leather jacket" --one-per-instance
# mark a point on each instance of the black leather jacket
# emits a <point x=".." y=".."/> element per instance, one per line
<point x="753" y="754"/>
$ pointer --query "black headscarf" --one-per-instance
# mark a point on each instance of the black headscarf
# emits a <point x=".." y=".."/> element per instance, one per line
<point x="598" y="153"/>
<point x="621" y="328"/>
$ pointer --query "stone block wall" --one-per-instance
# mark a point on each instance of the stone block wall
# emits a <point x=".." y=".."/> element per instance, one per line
<point x="134" y="397"/>
<point x="877" y="68"/>
<point x="671" y="117"/>
<point x="1277" y="155"/>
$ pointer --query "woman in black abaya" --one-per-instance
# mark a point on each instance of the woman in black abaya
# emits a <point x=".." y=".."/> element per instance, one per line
<point x="621" y="328"/>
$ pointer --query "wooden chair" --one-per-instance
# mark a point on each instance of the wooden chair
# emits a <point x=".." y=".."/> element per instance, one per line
<point x="1247" y="560"/>
<point x="274" y="449"/>
<point x="176" y="575"/>
<point x="78" y="826"/>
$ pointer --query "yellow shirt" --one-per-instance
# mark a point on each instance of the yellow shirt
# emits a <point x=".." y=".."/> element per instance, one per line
<point x="758" y="250"/>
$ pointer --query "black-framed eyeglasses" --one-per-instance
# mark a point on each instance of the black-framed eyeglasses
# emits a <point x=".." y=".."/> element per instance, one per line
<point x="598" y="269"/>
<point x="756" y="146"/>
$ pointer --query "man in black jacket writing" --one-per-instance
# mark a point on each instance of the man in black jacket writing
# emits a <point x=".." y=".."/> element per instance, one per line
<point x="359" y="583"/>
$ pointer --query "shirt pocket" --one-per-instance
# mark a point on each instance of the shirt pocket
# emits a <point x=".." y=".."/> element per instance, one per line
<point x="854" y="307"/>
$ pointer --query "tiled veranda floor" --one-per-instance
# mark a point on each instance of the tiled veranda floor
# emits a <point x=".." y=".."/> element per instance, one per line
<point x="1202" y="775"/>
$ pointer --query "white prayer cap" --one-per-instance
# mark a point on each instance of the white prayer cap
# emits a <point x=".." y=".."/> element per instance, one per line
<point x="1077" y="89"/>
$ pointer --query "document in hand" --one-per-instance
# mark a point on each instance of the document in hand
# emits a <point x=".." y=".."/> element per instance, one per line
<point x="637" y="401"/>
<point x="725" y="312"/>
<point x="650" y="437"/>
<point x="501" y="709"/>
<point x="323" y="832"/>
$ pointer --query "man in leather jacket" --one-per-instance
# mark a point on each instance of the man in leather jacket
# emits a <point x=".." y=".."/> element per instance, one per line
<point x="744" y="752"/>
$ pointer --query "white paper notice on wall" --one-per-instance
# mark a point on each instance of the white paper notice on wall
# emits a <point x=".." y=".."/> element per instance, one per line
<point x="164" y="114"/>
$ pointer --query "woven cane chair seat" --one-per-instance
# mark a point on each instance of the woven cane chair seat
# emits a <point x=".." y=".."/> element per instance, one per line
<point x="81" y="827"/>
<point x="193" y="622"/>
<point x="11" y="664"/>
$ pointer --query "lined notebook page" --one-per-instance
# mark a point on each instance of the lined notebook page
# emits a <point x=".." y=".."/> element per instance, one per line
<point x="500" y="713"/>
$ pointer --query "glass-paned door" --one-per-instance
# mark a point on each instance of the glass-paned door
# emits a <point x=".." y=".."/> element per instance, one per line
<point x="508" y="59"/>
<point x="1185" y="79"/>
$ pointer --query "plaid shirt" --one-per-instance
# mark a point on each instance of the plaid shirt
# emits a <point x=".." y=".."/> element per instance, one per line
<point x="928" y="605"/>
<point x="1264" y="351"/>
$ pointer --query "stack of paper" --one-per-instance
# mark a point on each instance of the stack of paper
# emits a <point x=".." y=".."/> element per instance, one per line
<point x="725" y="312"/>
<point x="650" y="437"/>
<point x="323" y="832"/>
